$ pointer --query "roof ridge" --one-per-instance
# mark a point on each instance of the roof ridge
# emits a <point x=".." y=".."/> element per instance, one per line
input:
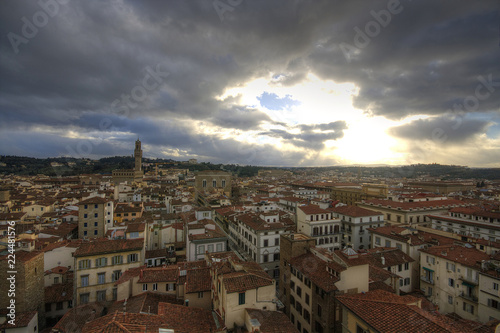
<point x="428" y="315"/>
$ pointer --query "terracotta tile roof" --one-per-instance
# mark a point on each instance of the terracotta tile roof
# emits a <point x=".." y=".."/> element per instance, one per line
<point x="57" y="270"/>
<point x="159" y="274"/>
<point x="129" y="274"/>
<point x="315" y="269"/>
<point x="313" y="209"/>
<point x="183" y="319"/>
<point x="380" y="285"/>
<point x="377" y="274"/>
<point x="136" y="227"/>
<point x="386" y="313"/>
<point x="392" y="257"/>
<point x="272" y="321"/>
<point x="104" y="245"/>
<point x="24" y="256"/>
<point x="12" y="216"/>
<point x="59" y="292"/>
<point x="253" y="221"/>
<point x="198" y="280"/>
<point x="93" y="200"/>
<point x="470" y="257"/>
<point x="416" y="238"/>
<point x="22" y="320"/>
<point x="419" y="205"/>
<point x="354" y="211"/>
<point x="235" y="282"/>
<point x="74" y="320"/>
<point x="146" y="302"/>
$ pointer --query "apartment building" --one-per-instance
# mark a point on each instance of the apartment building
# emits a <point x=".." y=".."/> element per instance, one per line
<point x="257" y="237"/>
<point x="320" y="224"/>
<point x="469" y="221"/>
<point x="450" y="278"/>
<point x="100" y="263"/>
<point x="489" y="295"/>
<point x="239" y="285"/>
<point x="397" y="212"/>
<point x="381" y="311"/>
<point x="316" y="278"/>
<point x="355" y="222"/>
<point x="204" y="236"/>
<point x="95" y="216"/>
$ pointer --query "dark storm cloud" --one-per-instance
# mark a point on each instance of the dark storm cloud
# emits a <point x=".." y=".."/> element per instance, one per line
<point x="142" y="63"/>
<point x="310" y="136"/>
<point x="445" y="130"/>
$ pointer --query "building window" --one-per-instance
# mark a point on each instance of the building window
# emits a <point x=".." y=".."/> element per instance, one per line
<point x="201" y="249"/>
<point x="318" y="327"/>
<point x="204" y="183"/>
<point x="276" y="241"/>
<point x="307" y="299"/>
<point x="223" y="183"/>
<point x="377" y="240"/>
<point x="101" y="262"/>
<point x="101" y="278"/>
<point x="276" y="256"/>
<point x="85" y="233"/>
<point x="495" y="286"/>
<point x="493" y="303"/>
<point x="85" y="225"/>
<point x="299" y="291"/>
<point x="132" y="257"/>
<point x="468" y="308"/>
<point x="48" y="307"/>
<point x="95" y="232"/>
<point x="117" y="260"/>
<point x="241" y="298"/>
<point x="155" y="286"/>
<point x="387" y="243"/>
<point x="219" y="247"/>
<point x="116" y="276"/>
<point x="144" y="287"/>
<point x="84" y="280"/>
<point x="214" y="183"/>
<point x="266" y="243"/>
<point x="407" y="266"/>
<point x="450" y="299"/>
<point x="101" y="295"/>
<point x="265" y="258"/>
<point x="451" y="282"/>
<point x="84" y="298"/>
<point x="115" y="294"/>
<point x="56" y="280"/>
<point x="200" y="294"/>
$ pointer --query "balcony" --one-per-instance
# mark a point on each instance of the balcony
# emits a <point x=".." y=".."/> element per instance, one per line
<point x="468" y="296"/>
<point x="469" y="280"/>
<point x="427" y="279"/>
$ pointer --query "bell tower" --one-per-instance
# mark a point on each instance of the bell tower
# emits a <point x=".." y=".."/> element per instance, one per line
<point x="138" y="156"/>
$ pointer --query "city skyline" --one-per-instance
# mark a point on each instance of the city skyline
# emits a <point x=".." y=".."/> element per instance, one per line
<point x="253" y="82"/>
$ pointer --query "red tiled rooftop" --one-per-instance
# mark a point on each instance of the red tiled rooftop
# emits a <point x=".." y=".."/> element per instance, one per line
<point x="104" y="245"/>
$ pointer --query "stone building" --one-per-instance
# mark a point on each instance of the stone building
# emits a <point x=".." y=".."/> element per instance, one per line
<point x="131" y="175"/>
<point x="95" y="216"/>
<point x="29" y="283"/>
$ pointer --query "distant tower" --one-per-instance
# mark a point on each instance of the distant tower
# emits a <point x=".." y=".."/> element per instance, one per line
<point x="138" y="155"/>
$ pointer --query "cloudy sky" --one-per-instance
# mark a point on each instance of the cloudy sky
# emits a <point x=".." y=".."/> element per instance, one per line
<point x="261" y="82"/>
